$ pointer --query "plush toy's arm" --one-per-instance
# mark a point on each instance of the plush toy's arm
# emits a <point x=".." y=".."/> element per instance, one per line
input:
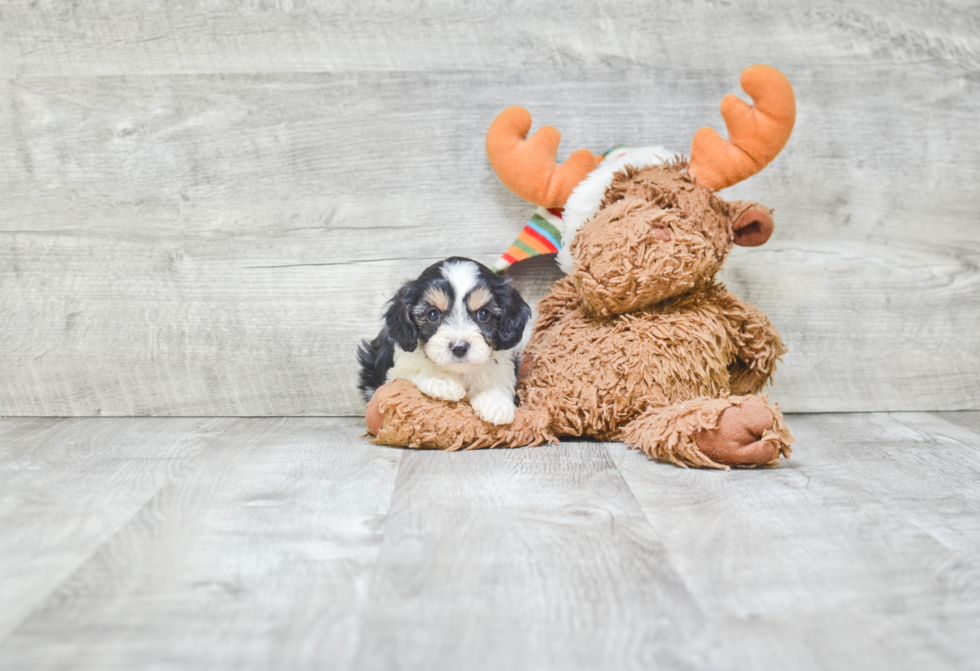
<point x="757" y="345"/>
<point x="402" y="416"/>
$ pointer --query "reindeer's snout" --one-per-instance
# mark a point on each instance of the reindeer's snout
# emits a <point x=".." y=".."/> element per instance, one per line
<point x="660" y="232"/>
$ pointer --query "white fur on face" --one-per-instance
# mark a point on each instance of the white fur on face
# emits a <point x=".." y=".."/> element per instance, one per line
<point x="463" y="275"/>
<point x="458" y="326"/>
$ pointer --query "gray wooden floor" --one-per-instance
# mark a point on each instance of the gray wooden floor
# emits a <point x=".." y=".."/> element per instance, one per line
<point x="294" y="543"/>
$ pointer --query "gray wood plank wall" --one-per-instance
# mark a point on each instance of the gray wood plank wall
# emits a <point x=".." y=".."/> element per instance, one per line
<point x="203" y="206"/>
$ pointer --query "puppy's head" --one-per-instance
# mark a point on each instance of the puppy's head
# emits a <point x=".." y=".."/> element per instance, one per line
<point x="458" y="311"/>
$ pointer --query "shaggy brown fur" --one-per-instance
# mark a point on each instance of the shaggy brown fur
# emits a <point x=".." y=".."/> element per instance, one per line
<point x="638" y="344"/>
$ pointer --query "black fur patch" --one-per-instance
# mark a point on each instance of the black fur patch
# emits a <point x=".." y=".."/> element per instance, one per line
<point x="376" y="357"/>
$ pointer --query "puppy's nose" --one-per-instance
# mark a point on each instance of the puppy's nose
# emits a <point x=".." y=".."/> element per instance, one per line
<point x="460" y="349"/>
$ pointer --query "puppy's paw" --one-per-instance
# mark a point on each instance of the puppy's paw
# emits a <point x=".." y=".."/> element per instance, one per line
<point x="442" y="388"/>
<point x="494" y="406"/>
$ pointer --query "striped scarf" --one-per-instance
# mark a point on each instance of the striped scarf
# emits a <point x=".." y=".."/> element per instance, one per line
<point x="541" y="235"/>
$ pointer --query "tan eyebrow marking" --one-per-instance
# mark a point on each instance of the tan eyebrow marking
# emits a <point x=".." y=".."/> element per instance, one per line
<point x="437" y="298"/>
<point x="478" y="298"/>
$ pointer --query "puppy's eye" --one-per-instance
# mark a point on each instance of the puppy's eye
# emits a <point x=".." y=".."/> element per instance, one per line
<point x="433" y="315"/>
<point x="482" y="315"/>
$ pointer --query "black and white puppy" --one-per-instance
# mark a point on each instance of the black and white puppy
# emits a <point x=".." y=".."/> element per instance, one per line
<point x="452" y="333"/>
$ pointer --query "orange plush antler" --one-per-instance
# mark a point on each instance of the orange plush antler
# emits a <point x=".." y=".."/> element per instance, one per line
<point x="756" y="133"/>
<point x="527" y="166"/>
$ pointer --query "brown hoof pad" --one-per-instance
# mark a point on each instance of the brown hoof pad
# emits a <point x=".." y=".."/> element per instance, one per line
<point x="736" y="441"/>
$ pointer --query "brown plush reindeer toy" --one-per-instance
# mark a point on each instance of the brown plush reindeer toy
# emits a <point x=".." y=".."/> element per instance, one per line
<point x="639" y="342"/>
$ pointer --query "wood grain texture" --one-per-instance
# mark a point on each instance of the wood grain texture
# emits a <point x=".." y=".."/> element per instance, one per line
<point x="293" y="543"/>
<point x="861" y="551"/>
<point x="525" y="559"/>
<point x="110" y="38"/>
<point x="257" y="555"/>
<point x="203" y="208"/>
<point x="967" y="420"/>
<point x="69" y="485"/>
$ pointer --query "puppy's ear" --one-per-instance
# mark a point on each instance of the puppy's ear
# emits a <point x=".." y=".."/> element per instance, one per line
<point x="398" y="319"/>
<point x="513" y="317"/>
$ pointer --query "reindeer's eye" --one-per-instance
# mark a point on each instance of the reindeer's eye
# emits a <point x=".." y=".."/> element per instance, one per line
<point x="482" y="315"/>
<point x="433" y="315"/>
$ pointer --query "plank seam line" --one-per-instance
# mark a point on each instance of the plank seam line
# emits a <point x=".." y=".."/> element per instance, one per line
<point x="372" y="600"/>
<point x="892" y="415"/>
<point x="42" y="601"/>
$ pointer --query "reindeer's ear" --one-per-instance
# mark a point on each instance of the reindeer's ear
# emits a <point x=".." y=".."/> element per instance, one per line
<point x="751" y="224"/>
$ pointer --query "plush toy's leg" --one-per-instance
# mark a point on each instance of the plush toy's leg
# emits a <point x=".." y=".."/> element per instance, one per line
<point x="400" y="415"/>
<point x="713" y="433"/>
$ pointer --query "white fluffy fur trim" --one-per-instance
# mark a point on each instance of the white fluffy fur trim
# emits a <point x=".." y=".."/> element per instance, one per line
<point x="584" y="201"/>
